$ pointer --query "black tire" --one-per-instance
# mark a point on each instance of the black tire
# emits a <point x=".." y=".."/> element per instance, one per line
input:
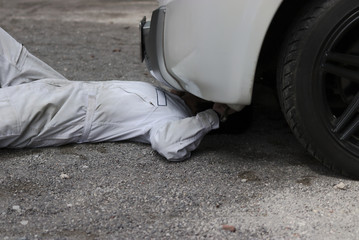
<point x="318" y="82"/>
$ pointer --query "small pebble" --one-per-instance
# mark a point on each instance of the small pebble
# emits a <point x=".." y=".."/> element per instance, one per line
<point x="229" y="228"/>
<point x="16" y="207"/>
<point x="24" y="222"/>
<point x="341" y="186"/>
<point x="64" y="176"/>
<point x="244" y="180"/>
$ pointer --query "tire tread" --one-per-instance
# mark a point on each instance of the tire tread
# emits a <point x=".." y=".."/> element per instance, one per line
<point x="286" y="85"/>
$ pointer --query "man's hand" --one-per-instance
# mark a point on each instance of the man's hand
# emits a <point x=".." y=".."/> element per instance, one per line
<point x="223" y="110"/>
<point x="196" y="104"/>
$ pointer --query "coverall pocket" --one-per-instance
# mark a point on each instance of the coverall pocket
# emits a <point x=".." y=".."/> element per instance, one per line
<point x="9" y="123"/>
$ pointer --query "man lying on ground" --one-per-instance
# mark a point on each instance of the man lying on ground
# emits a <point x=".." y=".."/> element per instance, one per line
<point x="39" y="107"/>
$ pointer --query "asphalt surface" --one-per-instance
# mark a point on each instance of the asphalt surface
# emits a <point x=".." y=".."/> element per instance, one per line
<point x="261" y="182"/>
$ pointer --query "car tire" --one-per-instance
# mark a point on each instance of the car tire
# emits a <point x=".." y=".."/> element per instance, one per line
<point x="318" y="82"/>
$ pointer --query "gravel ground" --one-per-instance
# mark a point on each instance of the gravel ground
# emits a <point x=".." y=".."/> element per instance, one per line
<point x="261" y="182"/>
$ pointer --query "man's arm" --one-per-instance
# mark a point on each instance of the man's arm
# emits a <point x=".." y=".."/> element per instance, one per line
<point x="175" y="140"/>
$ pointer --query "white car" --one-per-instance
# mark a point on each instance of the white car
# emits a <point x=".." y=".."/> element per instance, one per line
<point x="214" y="49"/>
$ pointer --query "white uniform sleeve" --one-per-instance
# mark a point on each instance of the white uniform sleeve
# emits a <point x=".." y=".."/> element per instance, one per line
<point x="175" y="140"/>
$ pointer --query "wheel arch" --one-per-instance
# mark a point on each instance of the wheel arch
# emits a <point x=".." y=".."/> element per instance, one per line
<point x="281" y="23"/>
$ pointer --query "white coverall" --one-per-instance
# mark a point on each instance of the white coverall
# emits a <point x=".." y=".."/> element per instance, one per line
<point x="39" y="107"/>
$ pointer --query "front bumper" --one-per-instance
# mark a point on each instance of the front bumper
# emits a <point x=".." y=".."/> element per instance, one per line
<point x="152" y="48"/>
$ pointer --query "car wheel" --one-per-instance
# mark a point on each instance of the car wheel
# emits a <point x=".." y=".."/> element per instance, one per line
<point x="318" y="82"/>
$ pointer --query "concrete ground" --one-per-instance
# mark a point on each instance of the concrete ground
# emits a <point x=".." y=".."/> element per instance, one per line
<point x="260" y="182"/>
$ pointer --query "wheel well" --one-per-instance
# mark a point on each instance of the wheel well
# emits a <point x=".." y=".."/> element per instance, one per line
<point x="276" y="34"/>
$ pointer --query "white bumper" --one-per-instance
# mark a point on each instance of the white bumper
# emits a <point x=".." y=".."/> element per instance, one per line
<point x="211" y="47"/>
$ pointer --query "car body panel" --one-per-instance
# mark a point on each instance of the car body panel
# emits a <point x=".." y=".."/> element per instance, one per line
<point x="211" y="47"/>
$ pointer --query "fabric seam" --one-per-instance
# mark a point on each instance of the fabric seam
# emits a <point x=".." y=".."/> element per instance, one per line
<point x="89" y="115"/>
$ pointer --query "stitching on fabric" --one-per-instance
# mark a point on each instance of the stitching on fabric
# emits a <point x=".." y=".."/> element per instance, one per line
<point x="143" y="99"/>
<point x="91" y="106"/>
<point x="18" y="68"/>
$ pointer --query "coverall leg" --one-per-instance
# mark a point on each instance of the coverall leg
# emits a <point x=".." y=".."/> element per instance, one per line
<point x="18" y="65"/>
